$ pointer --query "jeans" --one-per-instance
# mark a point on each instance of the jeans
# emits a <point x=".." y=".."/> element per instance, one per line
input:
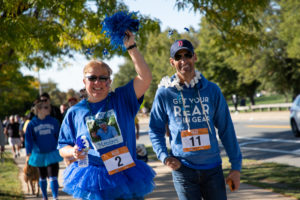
<point x="193" y="184"/>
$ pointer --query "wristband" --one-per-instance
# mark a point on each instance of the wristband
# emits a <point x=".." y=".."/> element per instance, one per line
<point x="131" y="46"/>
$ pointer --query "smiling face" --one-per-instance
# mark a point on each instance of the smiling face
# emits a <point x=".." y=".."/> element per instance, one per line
<point x="98" y="89"/>
<point x="184" y="62"/>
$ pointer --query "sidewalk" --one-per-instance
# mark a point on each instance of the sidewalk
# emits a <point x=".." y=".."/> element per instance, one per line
<point x="164" y="186"/>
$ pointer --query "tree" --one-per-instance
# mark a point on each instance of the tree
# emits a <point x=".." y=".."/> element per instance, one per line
<point x="280" y="62"/>
<point x="211" y="60"/>
<point x="235" y="20"/>
<point x="289" y="28"/>
<point x="33" y="33"/>
<point x="124" y="75"/>
<point x="17" y="92"/>
<point x="36" y="32"/>
<point x="58" y="97"/>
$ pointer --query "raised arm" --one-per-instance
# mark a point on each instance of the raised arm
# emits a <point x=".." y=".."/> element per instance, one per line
<point x="143" y="79"/>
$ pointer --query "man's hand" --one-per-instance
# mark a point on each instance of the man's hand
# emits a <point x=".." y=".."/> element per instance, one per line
<point x="233" y="180"/>
<point x="173" y="163"/>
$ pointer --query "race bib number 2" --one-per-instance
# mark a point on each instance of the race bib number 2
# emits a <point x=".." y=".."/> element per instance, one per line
<point x="117" y="160"/>
<point x="195" y="139"/>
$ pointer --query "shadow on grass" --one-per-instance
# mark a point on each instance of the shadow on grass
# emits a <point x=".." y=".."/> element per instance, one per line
<point x="279" y="178"/>
<point x="4" y="195"/>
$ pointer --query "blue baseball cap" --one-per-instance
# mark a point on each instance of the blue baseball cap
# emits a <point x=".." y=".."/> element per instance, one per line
<point x="181" y="44"/>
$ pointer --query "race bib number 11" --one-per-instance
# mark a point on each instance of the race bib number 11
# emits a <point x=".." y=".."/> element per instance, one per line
<point x="195" y="139"/>
<point x="117" y="160"/>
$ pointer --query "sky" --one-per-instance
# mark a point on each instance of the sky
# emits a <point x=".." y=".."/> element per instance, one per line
<point x="71" y="77"/>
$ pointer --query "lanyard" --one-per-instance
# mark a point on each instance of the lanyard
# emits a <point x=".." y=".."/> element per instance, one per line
<point x="184" y="111"/>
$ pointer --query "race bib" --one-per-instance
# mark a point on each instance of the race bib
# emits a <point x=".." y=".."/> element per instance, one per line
<point x="117" y="160"/>
<point x="195" y="139"/>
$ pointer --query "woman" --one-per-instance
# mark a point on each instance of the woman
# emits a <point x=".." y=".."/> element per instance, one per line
<point x="41" y="141"/>
<point x="113" y="171"/>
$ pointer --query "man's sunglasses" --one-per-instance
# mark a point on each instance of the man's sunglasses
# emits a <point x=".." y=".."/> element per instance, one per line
<point x="178" y="57"/>
<point x="93" y="78"/>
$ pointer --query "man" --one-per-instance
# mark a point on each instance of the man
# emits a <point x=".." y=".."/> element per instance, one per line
<point x="12" y="130"/>
<point x="192" y="107"/>
<point x="55" y="111"/>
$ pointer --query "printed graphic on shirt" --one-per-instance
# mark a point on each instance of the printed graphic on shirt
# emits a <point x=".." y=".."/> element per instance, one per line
<point x="104" y="129"/>
<point x="44" y="129"/>
<point x="192" y="109"/>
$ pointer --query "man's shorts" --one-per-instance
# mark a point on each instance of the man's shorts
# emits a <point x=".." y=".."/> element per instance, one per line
<point x="14" y="141"/>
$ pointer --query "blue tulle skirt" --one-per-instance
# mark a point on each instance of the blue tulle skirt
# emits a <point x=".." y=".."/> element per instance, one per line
<point x="94" y="182"/>
<point x="44" y="159"/>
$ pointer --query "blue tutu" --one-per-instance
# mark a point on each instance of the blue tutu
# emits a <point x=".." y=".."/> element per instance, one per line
<point x="94" y="182"/>
<point x="44" y="159"/>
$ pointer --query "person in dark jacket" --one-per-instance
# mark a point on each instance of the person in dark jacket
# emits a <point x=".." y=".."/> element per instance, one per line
<point x="54" y="112"/>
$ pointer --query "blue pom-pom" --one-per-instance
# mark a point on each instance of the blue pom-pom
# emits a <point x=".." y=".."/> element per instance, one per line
<point x="89" y="51"/>
<point x="115" y="26"/>
<point x="185" y="28"/>
<point x="105" y="52"/>
<point x="82" y="143"/>
<point x="170" y="33"/>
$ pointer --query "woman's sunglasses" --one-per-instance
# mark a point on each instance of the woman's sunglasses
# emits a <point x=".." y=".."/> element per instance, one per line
<point x="44" y="107"/>
<point x="178" y="57"/>
<point x="93" y="78"/>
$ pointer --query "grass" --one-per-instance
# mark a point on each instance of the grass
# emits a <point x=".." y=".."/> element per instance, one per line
<point x="270" y="99"/>
<point x="10" y="185"/>
<point x="279" y="178"/>
<point x="265" y="99"/>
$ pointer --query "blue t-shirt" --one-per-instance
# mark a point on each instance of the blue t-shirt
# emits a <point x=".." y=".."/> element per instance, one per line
<point x="118" y="109"/>
<point x="111" y="132"/>
<point x="41" y="135"/>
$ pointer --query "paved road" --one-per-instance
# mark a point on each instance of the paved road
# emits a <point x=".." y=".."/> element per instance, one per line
<point x="263" y="136"/>
<point x="165" y="189"/>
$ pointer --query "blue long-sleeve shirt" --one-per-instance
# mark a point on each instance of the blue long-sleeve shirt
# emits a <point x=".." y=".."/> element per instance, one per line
<point x="168" y="109"/>
<point x="42" y="135"/>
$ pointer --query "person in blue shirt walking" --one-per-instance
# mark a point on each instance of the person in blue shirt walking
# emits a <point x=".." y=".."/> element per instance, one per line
<point x="113" y="170"/>
<point x="41" y="138"/>
<point x="192" y="107"/>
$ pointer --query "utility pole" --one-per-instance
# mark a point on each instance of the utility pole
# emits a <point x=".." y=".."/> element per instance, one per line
<point x="37" y="69"/>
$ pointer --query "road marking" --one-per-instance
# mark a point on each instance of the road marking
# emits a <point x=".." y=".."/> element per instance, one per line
<point x="246" y="143"/>
<point x="267" y="126"/>
<point x="297" y="151"/>
<point x="269" y="140"/>
<point x="260" y="140"/>
<point x="271" y="150"/>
